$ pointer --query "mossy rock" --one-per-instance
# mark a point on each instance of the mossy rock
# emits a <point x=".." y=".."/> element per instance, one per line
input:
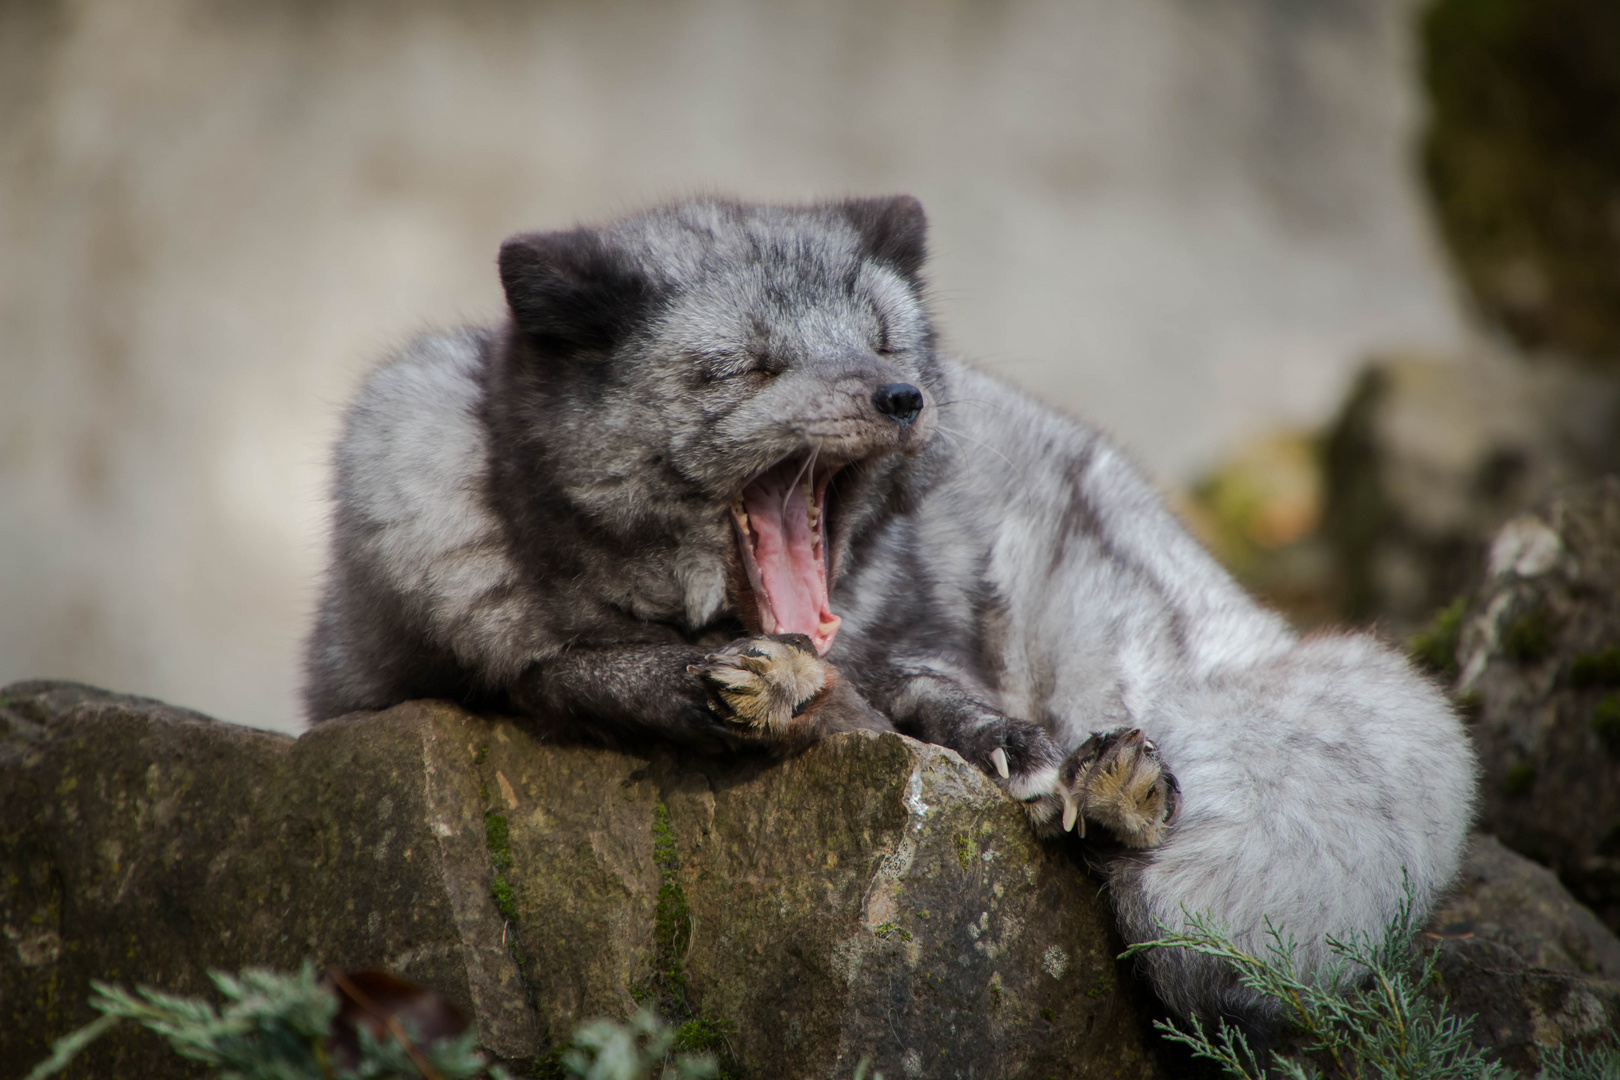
<point x="793" y="916"/>
<point x="1539" y="656"/>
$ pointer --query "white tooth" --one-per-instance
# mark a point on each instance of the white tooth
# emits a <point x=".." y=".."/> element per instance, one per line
<point x="1071" y="811"/>
<point x="999" y="756"/>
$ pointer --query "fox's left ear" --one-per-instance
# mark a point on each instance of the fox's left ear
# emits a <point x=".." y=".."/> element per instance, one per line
<point x="893" y="229"/>
<point x="572" y="291"/>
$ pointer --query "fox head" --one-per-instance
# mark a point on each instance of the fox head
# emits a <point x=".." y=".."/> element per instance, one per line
<point x="733" y="382"/>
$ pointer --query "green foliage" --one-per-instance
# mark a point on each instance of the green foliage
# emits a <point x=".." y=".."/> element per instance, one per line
<point x="1603" y="1063"/>
<point x="272" y="1027"/>
<point x="1365" y="1018"/>
<point x="1435" y="646"/>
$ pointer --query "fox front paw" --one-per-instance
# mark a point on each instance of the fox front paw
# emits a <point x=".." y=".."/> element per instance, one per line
<point x="760" y="684"/>
<point x="1116" y="779"/>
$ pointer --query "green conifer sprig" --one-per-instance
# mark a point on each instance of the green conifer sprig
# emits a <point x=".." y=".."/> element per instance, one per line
<point x="1365" y="1017"/>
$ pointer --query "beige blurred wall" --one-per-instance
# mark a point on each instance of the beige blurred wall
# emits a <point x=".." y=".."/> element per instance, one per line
<point x="1185" y="219"/>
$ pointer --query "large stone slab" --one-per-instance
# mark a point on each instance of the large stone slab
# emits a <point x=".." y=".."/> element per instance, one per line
<point x="875" y="897"/>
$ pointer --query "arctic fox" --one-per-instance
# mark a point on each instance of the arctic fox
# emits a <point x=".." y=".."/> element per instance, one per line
<point x="713" y="481"/>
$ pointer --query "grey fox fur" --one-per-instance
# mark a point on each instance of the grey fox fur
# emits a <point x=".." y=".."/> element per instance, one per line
<point x="713" y="482"/>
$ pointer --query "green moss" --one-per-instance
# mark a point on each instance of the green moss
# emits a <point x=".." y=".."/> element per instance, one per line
<point x="888" y="930"/>
<point x="1530" y="638"/>
<point x="1596" y="669"/>
<point x="996" y="996"/>
<point x="673" y="927"/>
<point x="1606" y="723"/>
<point x="703" y="1035"/>
<point x="1049" y="1015"/>
<point x="966" y="850"/>
<point x="549" y="1066"/>
<point x="1519" y="779"/>
<point x="1435" y="646"/>
<point x="481" y="756"/>
<point x="672" y="936"/>
<point x="498" y="838"/>
<point x="505" y="898"/>
<point x="1103" y="987"/>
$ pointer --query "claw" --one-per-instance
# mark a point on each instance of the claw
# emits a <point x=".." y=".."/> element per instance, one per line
<point x="999" y="756"/>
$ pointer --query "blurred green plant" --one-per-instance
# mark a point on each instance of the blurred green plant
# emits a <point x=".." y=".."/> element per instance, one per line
<point x="271" y="1027"/>
<point x="288" y="1027"/>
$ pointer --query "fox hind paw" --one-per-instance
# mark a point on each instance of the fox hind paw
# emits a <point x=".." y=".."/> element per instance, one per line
<point x="1116" y="779"/>
<point x="760" y="684"/>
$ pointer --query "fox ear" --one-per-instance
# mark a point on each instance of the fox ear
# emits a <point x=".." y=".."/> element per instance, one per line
<point x="894" y="230"/>
<point x="570" y="291"/>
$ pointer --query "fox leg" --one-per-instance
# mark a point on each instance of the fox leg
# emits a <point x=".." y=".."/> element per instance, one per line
<point x="1020" y="756"/>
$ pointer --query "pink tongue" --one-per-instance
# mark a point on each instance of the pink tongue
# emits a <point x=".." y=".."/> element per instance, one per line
<point x="791" y="571"/>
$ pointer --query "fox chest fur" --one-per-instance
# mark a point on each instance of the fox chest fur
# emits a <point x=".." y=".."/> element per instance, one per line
<point x="712" y="482"/>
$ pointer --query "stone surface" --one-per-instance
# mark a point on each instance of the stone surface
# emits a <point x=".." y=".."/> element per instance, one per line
<point x="873" y="897"/>
<point x="1539" y="662"/>
<point x="1532" y="965"/>
<point x="1517" y="903"/>
<point x="1431" y="455"/>
<point x="145" y="844"/>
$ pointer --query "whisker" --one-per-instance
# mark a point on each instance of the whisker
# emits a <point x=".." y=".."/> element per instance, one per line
<point x="1010" y="463"/>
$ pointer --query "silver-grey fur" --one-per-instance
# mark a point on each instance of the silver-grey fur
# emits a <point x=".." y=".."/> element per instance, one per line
<point x="535" y="518"/>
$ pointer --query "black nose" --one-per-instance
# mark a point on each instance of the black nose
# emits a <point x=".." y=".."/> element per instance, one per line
<point x="900" y="400"/>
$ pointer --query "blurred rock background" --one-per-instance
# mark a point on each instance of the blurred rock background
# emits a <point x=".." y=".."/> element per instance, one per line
<point x="1191" y="221"/>
<point x="1185" y="219"/>
<point x="1395" y="500"/>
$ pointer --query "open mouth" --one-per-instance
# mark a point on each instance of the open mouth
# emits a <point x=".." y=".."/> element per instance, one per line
<point x="781" y="523"/>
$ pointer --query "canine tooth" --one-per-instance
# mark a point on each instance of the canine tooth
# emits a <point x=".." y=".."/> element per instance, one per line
<point x="1071" y="811"/>
<point x="999" y="756"/>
